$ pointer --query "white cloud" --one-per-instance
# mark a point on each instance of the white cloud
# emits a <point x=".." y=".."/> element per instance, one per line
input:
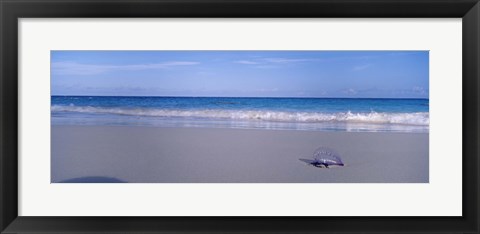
<point x="268" y="90"/>
<point x="74" y="68"/>
<point x="266" y="66"/>
<point x="286" y="60"/>
<point x="415" y="92"/>
<point x="272" y="62"/>
<point x="419" y="90"/>
<point x="350" y="91"/>
<point x="400" y="53"/>
<point x="361" y="67"/>
<point x="248" y="62"/>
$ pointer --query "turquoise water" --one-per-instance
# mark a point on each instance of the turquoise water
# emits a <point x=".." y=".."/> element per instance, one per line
<point x="317" y="114"/>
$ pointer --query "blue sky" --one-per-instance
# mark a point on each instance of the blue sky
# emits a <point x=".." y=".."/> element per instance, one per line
<point x="351" y="74"/>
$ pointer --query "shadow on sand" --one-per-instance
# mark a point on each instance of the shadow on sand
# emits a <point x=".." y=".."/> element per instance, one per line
<point x="93" y="179"/>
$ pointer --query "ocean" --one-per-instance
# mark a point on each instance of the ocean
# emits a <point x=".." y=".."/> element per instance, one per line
<point x="313" y="114"/>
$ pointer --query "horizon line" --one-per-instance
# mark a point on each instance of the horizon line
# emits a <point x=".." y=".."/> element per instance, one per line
<point x="237" y="97"/>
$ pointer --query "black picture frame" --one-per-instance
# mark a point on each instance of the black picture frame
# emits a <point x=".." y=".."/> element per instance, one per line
<point x="12" y="10"/>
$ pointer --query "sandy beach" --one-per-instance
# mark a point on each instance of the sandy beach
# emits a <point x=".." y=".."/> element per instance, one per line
<point x="138" y="154"/>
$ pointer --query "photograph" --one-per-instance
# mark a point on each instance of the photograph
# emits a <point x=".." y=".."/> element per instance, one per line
<point x="239" y="116"/>
<point x="273" y="116"/>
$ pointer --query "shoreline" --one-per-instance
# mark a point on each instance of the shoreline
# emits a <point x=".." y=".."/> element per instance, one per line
<point x="237" y="128"/>
<point x="146" y="154"/>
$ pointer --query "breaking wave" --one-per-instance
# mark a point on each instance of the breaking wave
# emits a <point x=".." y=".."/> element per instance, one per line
<point x="416" y="118"/>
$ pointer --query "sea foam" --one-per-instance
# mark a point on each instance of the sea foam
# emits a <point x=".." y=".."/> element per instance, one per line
<point x="415" y="118"/>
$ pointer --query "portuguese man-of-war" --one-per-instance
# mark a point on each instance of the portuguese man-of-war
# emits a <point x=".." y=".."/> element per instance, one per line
<point x="324" y="157"/>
